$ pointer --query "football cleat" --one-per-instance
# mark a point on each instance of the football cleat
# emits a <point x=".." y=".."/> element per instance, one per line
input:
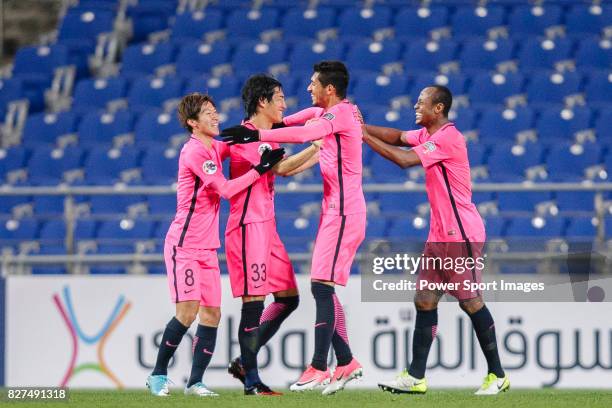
<point x="492" y="385"/>
<point x="260" y="389"/>
<point x="404" y="383"/>
<point x="311" y="379"/>
<point x="158" y="385"/>
<point x="236" y="369"/>
<point x="200" y="390"/>
<point x="342" y="375"/>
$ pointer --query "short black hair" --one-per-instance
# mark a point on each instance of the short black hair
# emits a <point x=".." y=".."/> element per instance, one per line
<point x="444" y="96"/>
<point x="256" y="88"/>
<point x="333" y="73"/>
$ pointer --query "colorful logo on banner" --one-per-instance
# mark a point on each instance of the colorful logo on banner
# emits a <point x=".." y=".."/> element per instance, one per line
<point x="66" y="310"/>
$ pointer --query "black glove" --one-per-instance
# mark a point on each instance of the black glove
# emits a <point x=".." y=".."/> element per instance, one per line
<point x="278" y="125"/>
<point x="239" y="135"/>
<point x="269" y="158"/>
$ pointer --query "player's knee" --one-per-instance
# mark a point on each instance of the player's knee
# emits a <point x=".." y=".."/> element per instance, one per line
<point x="471" y="306"/>
<point x="186" y="316"/>
<point x="321" y="290"/>
<point x="291" y="302"/>
<point x="424" y="304"/>
<point x="210" y="316"/>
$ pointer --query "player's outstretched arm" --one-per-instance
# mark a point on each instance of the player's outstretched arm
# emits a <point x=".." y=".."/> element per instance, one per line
<point x="301" y="117"/>
<point x="295" y="164"/>
<point x="403" y="158"/>
<point x="229" y="188"/>
<point x="388" y="135"/>
<point x="313" y="130"/>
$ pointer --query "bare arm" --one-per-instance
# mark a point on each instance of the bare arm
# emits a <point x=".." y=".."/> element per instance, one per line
<point x="295" y="161"/>
<point x="388" y="135"/>
<point x="403" y="158"/>
<point x="308" y="164"/>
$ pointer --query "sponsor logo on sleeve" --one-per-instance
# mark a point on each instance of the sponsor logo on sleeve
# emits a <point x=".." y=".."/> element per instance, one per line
<point x="429" y="147"/>
<point x="264" y="147"/>
<point x="209" y="167"/>
<point x="329" y="116"/>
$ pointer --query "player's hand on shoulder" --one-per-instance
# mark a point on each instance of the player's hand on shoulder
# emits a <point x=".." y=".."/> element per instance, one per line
<point x="239" y="135"/>
<point x="269" y="159"/>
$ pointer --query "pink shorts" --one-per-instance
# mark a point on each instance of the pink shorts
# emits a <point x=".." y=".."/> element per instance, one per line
<point x="458" y="270"/>
<point x="338" y="239"/>
<point x="257" y="261"/>
<point x="193" y="274"/>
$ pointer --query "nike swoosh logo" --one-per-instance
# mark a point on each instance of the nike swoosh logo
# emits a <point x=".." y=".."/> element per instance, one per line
<point x="339" y="378"/>
<point x="320" y="324"/>
<point x="499" y="387"/>
<point x="257" y="287"/>
<point x="250" y="329"/>
<point x="266" y="165"/>
<point x="304" y="383"/>
<point x="188" y="291"/>
<point x="170" y="344"/>
<point x="207" y="352"/>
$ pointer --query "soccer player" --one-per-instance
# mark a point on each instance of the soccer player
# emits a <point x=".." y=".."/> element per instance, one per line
<point x="456" y="229"/>
<point x="190" y="248"/>
<point x="257" y="261"/>
<point x="342" y="225"/>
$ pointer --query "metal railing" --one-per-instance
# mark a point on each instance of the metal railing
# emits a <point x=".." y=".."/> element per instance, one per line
<point x="19" y="263"/>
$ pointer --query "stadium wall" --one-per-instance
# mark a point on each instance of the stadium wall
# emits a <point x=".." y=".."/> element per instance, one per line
<point x="102" y="332"/>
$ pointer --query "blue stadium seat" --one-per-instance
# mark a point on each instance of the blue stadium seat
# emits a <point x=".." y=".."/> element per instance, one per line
<point x="247" y="24"/>
<point x="8" y="203"/>
<point x="53" y="230"/>
<point x="12" y="158"/>
<point x="456" y="82"/>
<point x="253" y="56"/>
<point x="85" y="228"/>
<point x="12" y="230"/>
<point x="45" y="128"/>
<point x="150" y="16"/>
<point x="538" y="53"/>
<point x="376" y="227"/>
<point x="402" y="119"/>
<point x="603" y="124"/>
<point x="379" y="89"/>
<point x="48" y="205"/>
<point x="503" y="124"/>
<point x="162" y="204"/>
<point x="547" y="88"/>
<point x="296" y="233"/>
<point x="494" y="226"/>
<point x="304" y="23"/>
<point x="528" y="21"/>
<point x="599" y="89"/>
<point x="193" y="26"/>
<point x="508" y="162"/>
<point x="113" y="204"/>
<point x="567" y="162"/>
<point x="219" y="88"/>
<point x="479" y="55"/>
<point x="584" y="19"/>
<point x="147" y="93"/>
<point x="79" y="24"/>
<point x="403" y="228"/>
<point x="581" y="228"/>
<point x="556" y="124"/>
<point x="126" y="229"/>
<point x="372" y="55"/>
<point x="104" y="166"/>
<point x="404" y="202"/>
<point x="356" y="22"/>
<point x="477" y="152"/>
<point x="292" y="202"/>
<point x="100" y="128"/>
<point x="195" y="58"/>
<point x="476" y="21"/>
<point x="385" y="171"/>
<point x="159" y="165"/>
<point x="36" y="65"/>
<point x="306" y="53"/>
<point x="489" y="89"/>
<point x="91" y="94"/>
<point x="142" y="59"/>
<point x="534" y="229"/>
<point x="464" y="118"/>
<point x="575" y="201"/>
<point x="157" y="127"/>
<point x="418" y="22"/>
<point x="10" y="90"/>
<point x="48" y="164"/>
<point x="594" y="53"/>
<point x="521" y="201"/>
<point x="427" y="55"/>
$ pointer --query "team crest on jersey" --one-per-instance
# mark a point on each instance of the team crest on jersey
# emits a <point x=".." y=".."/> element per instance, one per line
<point x="329" y="116"/>
<point x="429" y="147"/>
<point x="209" y="167"/>
<point x="264" y="147"/>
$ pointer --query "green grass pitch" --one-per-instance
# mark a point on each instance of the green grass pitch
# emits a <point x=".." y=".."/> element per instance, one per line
<point x="548" y="398"/>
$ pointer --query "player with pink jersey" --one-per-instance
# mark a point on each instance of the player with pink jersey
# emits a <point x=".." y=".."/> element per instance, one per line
<point x="456" y="232"/>
<point x="336" y="122"/>
<point x="257" y="261"/>
<point x="190" y="248"/>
